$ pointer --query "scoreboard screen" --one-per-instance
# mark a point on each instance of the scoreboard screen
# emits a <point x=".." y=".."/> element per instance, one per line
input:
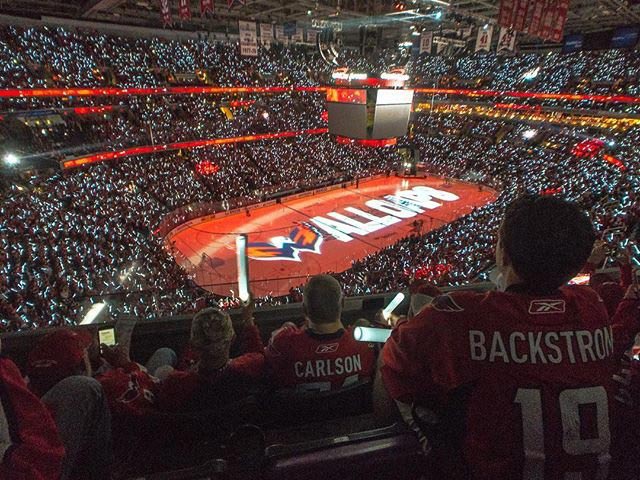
<point x="369" y="113"/>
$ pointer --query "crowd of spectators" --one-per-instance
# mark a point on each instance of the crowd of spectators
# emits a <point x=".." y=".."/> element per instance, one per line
<point x="496" y="154"/>
<point x="601" y="71"/>
<point x="40" y="57"/>
<point x="70" y="238"/>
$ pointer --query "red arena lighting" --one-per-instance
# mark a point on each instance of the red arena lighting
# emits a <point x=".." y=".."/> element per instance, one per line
<point x="206" y="167"/>
<point x="123" y="92"/>
<point x="588" y="148"/>
<point x="92" y="110"/>
<point x="146" y="149"/>
<point x="614" y="161"/>
<point x="367" y="142"/>
<point x="529" y="95"/>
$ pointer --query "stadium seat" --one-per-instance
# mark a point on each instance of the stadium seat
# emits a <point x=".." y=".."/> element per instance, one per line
<point x="293" y="407"/>
<point x="212" y="470"/>
<point x="386" y="453"/>
<point x="162" y="441"/>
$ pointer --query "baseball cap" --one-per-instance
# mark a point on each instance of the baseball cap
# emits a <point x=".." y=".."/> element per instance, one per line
<point x="58" y="352"/>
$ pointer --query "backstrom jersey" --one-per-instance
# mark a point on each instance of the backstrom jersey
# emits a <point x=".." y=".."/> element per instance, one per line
<point x="537" y="374"/>
<point x="304" y="359"/>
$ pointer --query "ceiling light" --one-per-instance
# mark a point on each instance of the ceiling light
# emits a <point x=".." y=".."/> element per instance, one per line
<point x="11" y="159"/>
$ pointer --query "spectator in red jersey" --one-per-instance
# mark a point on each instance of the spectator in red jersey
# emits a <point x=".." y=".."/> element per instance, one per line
<point x="517" y="383"/>
<point x="216" y="379"/>
<point x="323" y="355"/>
<point x="30" y="446"/>
<point x="60" y="373"/>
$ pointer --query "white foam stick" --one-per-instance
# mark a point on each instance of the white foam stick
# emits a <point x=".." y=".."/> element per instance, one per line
<point x="368" y="334"/>
<point x="397" y="300"/>
<point x="93" y="313"/>
<point x="243" y="268"/>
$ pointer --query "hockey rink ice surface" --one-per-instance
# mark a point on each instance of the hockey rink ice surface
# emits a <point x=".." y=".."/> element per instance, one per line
<point x="299" y="237"/>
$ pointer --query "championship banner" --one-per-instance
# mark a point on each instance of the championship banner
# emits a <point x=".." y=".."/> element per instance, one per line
<point x="441" y="47"/>
<point x="536" y="17"/>
<point x="454" y="42"/>
<point x="425" y="42"/>
<point x="248" y="39"/>
<point x="184" y="8"/>
<point x="266" y="33"/>
<point x="560" y="20"/>
<point x="548" y="20"/>
<point x="165" y="10"/>
<point x="206" y="6"/>
<point x="312" y="36"/>
<point x="483" y="41"/>
<point x="280" y="36"/>
<point x="506" y="40"/>
<point x="506" y="14"/>
<point x="322" y="24"/>
<point x="522" y="11"/>
<point x="298" y="35"/>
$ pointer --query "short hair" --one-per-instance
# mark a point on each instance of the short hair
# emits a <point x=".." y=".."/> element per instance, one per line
<point x="322" y="299"/>
<point x="547" y="239"/>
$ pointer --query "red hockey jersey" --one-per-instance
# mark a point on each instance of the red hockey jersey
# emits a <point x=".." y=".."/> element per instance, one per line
<point x="129" y="389"/>
<point x="30" y="448"/>
<point x="301" y="358"/>
<point x="537" y="372"/>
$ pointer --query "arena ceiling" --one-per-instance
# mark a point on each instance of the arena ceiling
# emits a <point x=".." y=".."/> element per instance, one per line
<point x="584" y="15"/>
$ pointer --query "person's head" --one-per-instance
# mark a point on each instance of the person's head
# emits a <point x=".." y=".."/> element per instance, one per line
<point x="322" y="300"/>
<point x="543" y="241"/>
<point x="212" y="334"/>
<point x="59" y="355"/>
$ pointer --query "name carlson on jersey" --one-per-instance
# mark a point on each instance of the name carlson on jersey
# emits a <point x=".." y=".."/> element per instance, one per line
<point x="328" y="367"/>
<point x="541" y="347"/>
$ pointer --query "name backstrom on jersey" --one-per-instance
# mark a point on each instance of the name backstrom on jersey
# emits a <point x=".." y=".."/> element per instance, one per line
<point x="541" y="347"/>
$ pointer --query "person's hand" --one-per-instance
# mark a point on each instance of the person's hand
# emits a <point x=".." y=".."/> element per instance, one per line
<point x="598" y="253"/>
<point x="247" y="311"/>
<point x="286" y="326"/>
<point x="391" y="321"/>
<point x="117" y="355"/>
<point x="625" y="256"/>
<point x="245" y="319"/>
<point x="633" y="292"/>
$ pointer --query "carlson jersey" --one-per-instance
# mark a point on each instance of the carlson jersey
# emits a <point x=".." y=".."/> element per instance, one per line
<point x="304" y="359"/>
<point x="536" y="372"/>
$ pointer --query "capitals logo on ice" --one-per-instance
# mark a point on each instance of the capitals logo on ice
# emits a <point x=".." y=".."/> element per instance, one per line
<point x="304" y="238"/>
<point x="379" y="214"/>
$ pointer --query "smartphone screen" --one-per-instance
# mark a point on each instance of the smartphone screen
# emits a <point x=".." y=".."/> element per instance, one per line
<point x="107" y="336"/>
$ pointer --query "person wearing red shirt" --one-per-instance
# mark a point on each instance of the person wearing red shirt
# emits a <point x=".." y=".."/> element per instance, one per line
<point x="216" y="379"/>
<point x="323" y="355"/>
<point x="515" y="383"/>
<point x="60" y="373"/>
<point x="30" y="447"/>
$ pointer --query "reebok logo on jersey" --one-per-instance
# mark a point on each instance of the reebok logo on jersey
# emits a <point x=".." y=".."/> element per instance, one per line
<point x="444" y="303"/>
<point x="327" y="348"/>
<point x="546" y="306"/>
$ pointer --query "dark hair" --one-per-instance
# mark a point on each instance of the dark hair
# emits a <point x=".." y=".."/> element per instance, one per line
<point x="547" y="239"/>
<point x="322" y="299"/>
